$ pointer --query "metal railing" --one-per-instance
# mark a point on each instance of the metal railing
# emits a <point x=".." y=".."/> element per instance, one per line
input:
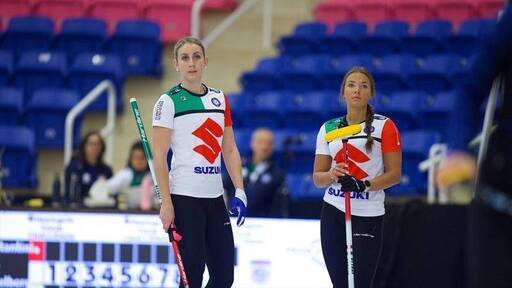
<point x="107" y="132"/>
<point x="438" y="151"/>
<point x="230" y="20"/>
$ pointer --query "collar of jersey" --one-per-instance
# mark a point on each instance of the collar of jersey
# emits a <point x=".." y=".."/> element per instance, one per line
<point x="195" y="94"/>
<point x="344" y="121"/>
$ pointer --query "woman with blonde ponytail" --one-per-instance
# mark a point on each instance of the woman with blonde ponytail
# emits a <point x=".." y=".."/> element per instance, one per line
<point x="374" y="164"/>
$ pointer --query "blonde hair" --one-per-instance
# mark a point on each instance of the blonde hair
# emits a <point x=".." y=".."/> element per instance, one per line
<point x="187" y="40"/>
<point x="369" y="108"/>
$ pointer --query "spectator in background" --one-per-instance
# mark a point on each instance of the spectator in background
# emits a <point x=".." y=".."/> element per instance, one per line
<point x="85" y="168"/>
<point x="132" y="185"/>
<point x="263" y="179"/>
<point x="490" y="229"/>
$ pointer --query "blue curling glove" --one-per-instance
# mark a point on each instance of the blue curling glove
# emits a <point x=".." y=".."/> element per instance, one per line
<point x="238" y="206"/>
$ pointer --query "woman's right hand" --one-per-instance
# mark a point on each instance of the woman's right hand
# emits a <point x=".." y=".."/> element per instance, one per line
<point x="337" y="171"/>
<point x="166" y="215"/>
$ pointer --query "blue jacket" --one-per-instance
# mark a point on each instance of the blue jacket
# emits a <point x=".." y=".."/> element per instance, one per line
<point x="264" y="194"/>
<point x="85" y="176"/>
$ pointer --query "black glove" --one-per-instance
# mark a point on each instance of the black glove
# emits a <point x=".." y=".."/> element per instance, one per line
<point x="352" y="184"/>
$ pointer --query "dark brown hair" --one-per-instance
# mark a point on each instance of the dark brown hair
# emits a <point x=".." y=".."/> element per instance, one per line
<point x="369" y="108"/>
<point x="137" y="145"/>
<point x="85" y="139"/>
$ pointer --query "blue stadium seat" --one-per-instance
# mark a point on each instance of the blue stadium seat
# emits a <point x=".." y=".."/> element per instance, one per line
<point x="137" y="42"/>
<point x="466" y="41"/>
<point x="392" y="70"/>
<point x="6" y="63"/>
<point x="38" y="70"/>
<point x="304" y="39"/>
<point x="435" y="112"/>
<point x="306" y="111"/>
<point x="281" y="139"/>
<point x="18" y="157"/>
<point x="265" y="76"/>
<point x="11" y="106"/>
<point x="336" y="107"/>
<point x="28" y="33"/>
<point x="296" y="184"/>
<point x="301" y="187"/>
<point x="415" y="147"/>
<point x="81" y="35"/>
<point x="385" y="39"/>
<point x="302" y="73"/>
<point x="46" y="115"/>
<point x="266" y="110"/>
<point x="238" y="103"/>
<point x="302" y="152"/>
<point x="427" y="39"/>
<point x="437" y="73"/>
<point x="344" y="39"/>
<point x="402" y="107"/>
<point x="243" y="140"/>
<point x="89" y="70"/>
<point x="341" y="65"/>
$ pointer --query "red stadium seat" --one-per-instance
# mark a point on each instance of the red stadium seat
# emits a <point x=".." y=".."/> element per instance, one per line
<point x="412" y="11"/>
<point x="456" y="11"/>
<point x="58" y="10"/>
<point x="334" y="11"/>
<point x="112" y="11"/>
<point x="172" y="15"/>
<point x="220" y="5"/>
<point x="489" y="8"/>
<point x="372" y="11"/>
<point x="10" y="8"/>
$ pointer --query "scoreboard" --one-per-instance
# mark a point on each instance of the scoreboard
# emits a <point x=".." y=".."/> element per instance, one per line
<point x="85" y="249"/>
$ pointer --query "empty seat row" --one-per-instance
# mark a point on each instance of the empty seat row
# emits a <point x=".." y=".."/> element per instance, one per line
<point x="136" y="42"/>
<point x="393" y="72"/>
<point x="49" y="70"/>
<point x="412" y="11"/>
<point x="173" y="16"/>
<point x="307" y="111"/>
<point x="429" y="37"/>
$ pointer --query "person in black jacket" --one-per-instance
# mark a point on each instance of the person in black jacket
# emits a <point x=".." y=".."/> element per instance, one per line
<point x="490" y="214"/>
<point x="86" y="167"/>
<point x="263" y="179"/>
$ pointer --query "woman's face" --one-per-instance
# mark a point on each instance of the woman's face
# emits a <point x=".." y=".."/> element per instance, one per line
<point x="191" y="62"/>
<point x="93" y="147"/>
<point x="138" y="160"/>
<point x="358" y="90"/>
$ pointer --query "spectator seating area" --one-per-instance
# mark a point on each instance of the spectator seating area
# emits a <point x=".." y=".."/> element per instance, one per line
<point x="411" y="11"/>
<point x="173" y="16"/>
<point x="417" y="50"/>
<point x="53" y="52"/>
<point x="417" y="60"/>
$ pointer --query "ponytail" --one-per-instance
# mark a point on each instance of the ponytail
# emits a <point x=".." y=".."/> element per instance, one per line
<point x="368" y="129"/>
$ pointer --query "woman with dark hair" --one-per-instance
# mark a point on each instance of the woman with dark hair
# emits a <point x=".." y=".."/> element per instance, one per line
<point x="86" y="167"/>
<point x="374" y="163"/>
<point x="127" y="184"/>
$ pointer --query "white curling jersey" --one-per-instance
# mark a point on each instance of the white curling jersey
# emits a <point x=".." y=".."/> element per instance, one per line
<point x="364" y="165"/>
<point x="197" y="126"/>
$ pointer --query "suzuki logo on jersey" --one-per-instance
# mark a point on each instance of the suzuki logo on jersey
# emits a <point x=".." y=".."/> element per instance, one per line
<point x="209" y="131"/>
<point x="353" y="195"/>
<point x="207" y="170"/>
<point x="355" y="155"/>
